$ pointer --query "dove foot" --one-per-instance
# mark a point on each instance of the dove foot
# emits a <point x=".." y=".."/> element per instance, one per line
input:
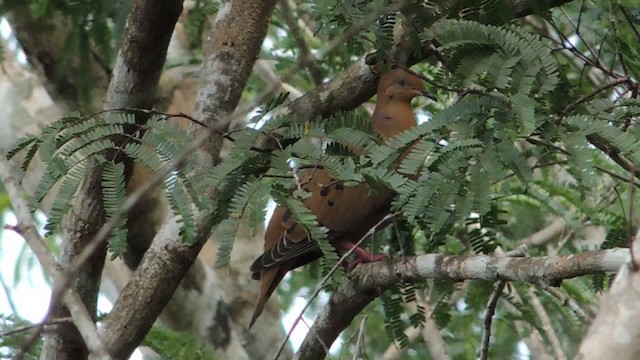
<point x="362" y="256"/>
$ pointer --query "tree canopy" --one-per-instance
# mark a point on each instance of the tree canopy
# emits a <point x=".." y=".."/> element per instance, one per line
<point x="177" y="125"/>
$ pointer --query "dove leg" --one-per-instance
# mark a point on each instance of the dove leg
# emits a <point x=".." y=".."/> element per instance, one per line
<point x="362" y="255"/>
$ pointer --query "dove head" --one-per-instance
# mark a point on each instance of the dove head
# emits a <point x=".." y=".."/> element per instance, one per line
<point x="401" y="85"/>
<point x="393" y="113"/>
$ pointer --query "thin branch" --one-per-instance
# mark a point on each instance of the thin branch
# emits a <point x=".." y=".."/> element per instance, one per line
<point x="616" y="39"/>
<point x="587" y="97"/>
<point x="488" y="318"/>
<point x="493" y="302"/>
<point x="614" y="154"/>
<point x="545" y="234"/>
<point x="614" y="175"/>
<point x="306" y="57"/>
<point x="19" y="329"/>
<point x="533" y="337"/>
<point x="27" y="228"/>
<point x="569" y="302"/>
<point x="596" y="57"/>
<point x="631" y="22"/>
<point x="546" y="325"/>
<point x="7" y="294"/>
<point x="360" y="338"/>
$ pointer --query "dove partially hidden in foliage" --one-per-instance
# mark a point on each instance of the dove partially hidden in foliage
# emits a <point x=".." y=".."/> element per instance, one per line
<point x="348" y="212"/>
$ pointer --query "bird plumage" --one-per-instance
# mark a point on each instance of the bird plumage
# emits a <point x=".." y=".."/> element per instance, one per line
<point x="348" y="212"/>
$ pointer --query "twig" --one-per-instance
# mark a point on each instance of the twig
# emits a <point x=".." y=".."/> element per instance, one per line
<point x="613" y="153"/>
<point x="546" y="325"/>
<point x="26" y="228"/>
<point x="520" y="251"/>
<point x="616" y="39"/>
<point x="569" y="302"/>
<point x="549" y="144"/>
<point x="545" y="234"/>
<point x="326" y="278"/>
<point x="306" y="57"/>
<point x="360" y="338"/>
<point x="488" y="318"/>
<point x="19" y="329"/>
<point x="326" y="349"/>
<point x="533" y="338"/>
<point x="592" y="94"/>
<point x="597" y="61"/>
<point x="630" y="21"/>
<point x="612" y="174"/>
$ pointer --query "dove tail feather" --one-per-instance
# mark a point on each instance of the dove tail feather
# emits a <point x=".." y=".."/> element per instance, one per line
<point x="269" y="280"/>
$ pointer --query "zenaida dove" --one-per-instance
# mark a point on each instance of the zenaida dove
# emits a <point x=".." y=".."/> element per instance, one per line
<point x="348" y="212"/>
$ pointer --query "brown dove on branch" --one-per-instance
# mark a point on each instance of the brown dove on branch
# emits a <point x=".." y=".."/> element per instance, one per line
<point x="348" y="212"/>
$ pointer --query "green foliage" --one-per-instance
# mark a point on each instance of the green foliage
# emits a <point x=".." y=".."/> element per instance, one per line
<point x="334" y="17"/>
<point x="72" y="147"/>
<point x="393" y="310"/>
<point x="11" y="343"/>
<point x="502" y="58"/>
<point x="171" y="344"/>
<point x="239" y="203"/>
<point x="113" y="194"/>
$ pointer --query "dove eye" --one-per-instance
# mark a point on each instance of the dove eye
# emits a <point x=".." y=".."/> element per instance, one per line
<point x="400" y="82"/>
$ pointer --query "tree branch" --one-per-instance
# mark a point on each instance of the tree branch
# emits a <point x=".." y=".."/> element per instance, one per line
<point x="530" y="334"/>
<point x="370" y="280"/>
<point x="569" y="302"/>
<point x="545" y="321"/>
<point x="488" y="318"/>
<point x="306" y="57"/>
